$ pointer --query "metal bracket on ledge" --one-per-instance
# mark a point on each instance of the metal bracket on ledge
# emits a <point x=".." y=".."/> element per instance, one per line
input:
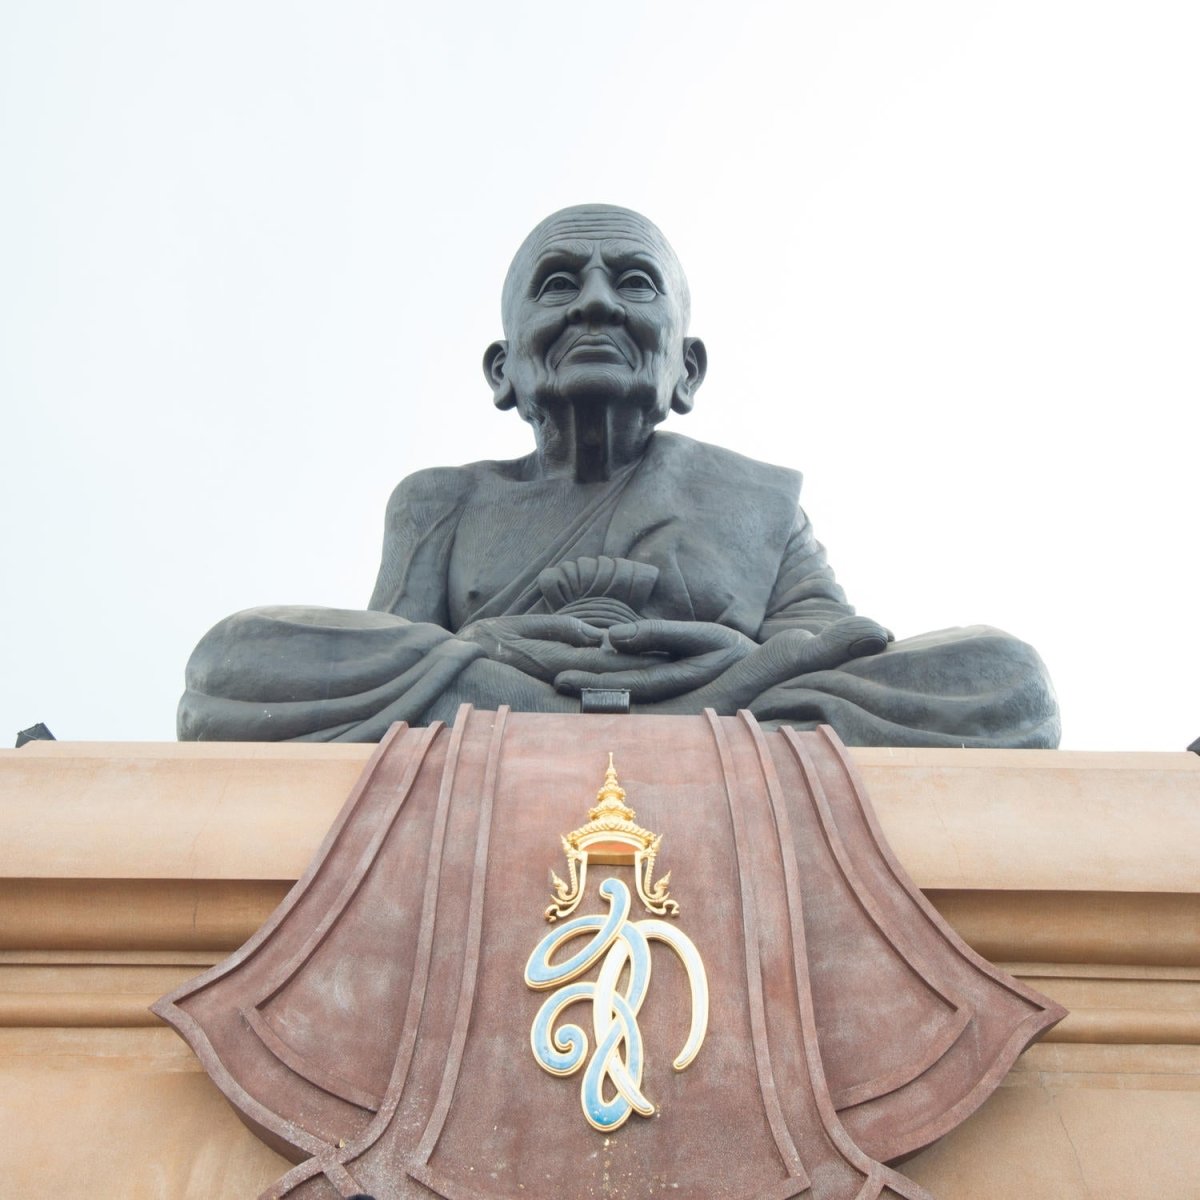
<point x="604" y="700"/>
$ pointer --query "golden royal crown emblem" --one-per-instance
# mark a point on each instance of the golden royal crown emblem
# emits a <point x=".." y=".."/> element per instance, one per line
<point x="611" y="837"/>
<point x="621" y="947"/>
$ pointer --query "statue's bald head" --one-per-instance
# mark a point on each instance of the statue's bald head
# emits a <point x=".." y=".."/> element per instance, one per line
<point x="592" y="222"/>
<point x="595" y="309"/>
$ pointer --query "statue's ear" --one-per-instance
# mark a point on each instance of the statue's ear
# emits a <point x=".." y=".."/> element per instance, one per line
<point x="494" y="358"/>
<point x="695" y="366"/>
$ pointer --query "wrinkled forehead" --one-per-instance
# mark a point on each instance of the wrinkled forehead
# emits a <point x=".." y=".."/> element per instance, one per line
<point x="623" y="232"/>
<point x="595" y="224"/>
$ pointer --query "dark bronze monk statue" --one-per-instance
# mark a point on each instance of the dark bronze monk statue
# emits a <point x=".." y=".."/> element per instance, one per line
<point x="612" y="556"/>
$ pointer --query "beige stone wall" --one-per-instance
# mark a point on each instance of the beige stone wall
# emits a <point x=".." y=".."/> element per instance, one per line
<point x="125" y="869"/>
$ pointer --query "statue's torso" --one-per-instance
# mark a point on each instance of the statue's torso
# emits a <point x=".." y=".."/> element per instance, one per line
<point x="469" y="542"/>
<point x="508" y="523"/>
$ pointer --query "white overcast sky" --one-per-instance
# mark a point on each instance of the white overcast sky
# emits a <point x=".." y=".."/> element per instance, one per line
<point x="945" y="258"/>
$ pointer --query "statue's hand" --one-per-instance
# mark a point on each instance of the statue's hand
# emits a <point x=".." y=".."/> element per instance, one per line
<point x="688" y="655"/>
<point x="788" y="654"/>
<point x="543" y="645"/>
<point x="845" y="639"/>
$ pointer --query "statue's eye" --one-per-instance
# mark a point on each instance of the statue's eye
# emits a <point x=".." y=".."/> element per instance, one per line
<point x="558" y="287"/>
<point x="637" y="284"/>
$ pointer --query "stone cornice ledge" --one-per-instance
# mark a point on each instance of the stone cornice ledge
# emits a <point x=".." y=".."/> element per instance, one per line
<point x="978" y="820"/>
<point x="1036" y="857"/>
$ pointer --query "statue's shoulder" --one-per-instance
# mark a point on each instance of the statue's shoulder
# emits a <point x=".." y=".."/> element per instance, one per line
<point x="445" y="488"/>
<point x="436" y="488"/>
<point x="432" y="485"/>
<point x="709" y="463"/>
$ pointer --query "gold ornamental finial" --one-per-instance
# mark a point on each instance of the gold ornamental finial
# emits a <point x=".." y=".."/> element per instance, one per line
<point x="610" y="799"/>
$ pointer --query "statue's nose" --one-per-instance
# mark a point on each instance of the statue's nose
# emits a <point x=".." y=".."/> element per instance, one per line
<point x="597" y="301"/>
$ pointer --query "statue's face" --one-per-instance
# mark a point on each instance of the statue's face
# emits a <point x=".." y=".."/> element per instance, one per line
<point x="595" y="309"/>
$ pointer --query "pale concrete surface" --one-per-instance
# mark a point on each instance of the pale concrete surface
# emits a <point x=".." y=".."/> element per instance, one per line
<point x="972" y="819"/>
<point x="128" y="1114"/>
<point x="120" y="1113"/>
<point x="125" y="869"/>
<point x="1067" y="1125"/>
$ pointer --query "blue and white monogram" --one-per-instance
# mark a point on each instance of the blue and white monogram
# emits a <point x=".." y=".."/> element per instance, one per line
<point x="621" y="948"/>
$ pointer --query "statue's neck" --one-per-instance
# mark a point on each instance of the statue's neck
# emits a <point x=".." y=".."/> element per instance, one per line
<point x="590" y="443"/>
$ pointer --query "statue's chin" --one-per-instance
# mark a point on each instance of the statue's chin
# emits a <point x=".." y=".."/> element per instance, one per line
<point x="604" y="385"/>
<point x="615" y="382"/>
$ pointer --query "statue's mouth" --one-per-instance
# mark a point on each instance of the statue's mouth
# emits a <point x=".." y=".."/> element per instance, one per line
<point x="587" y="346"/>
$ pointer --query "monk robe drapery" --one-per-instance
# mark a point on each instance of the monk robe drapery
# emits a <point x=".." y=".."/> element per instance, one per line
<point x="696" y="533"/>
